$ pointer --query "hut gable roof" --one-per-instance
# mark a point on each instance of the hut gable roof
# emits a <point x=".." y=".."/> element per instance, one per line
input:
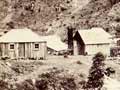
<point x="54" y="42"/>
<point x="95" y="36"/>
<point x="20" y="35"/>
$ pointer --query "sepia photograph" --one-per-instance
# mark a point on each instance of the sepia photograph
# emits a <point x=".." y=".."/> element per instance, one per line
<point x="59" y="44"/>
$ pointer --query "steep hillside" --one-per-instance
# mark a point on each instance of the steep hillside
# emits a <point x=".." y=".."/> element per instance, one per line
<point x="56" y="15"/>
<point x="115" y="14"/>
<point x="32" y="13"/>
<point x="94" y="14"/>
<point x="37" y="14"/>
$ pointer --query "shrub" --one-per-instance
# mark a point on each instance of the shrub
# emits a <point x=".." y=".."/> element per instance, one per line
<point x="96" y="73"/>
<point x="52" y="81"/>
<point x="4" y="85"/>
<point x="68" y="84"/>
<point x="26" y="85"/>
<point x="78" y="62"/>
<point x="41" y="84"/>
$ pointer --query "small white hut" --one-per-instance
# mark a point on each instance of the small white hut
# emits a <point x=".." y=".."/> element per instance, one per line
<point x="22" y="43"/>
<point x="92" y="41"/>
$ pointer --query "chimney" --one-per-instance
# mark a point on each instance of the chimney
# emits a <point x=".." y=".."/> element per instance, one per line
<point x="70" y="39"/>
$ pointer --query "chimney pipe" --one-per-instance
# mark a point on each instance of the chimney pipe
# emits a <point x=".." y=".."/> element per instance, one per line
<point x="70" y="38"/>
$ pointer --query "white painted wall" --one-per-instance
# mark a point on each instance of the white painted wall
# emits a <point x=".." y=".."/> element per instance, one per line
<point x="93" y="49"/>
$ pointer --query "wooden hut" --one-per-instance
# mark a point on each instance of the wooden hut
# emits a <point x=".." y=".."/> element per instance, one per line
<point x="22" y="43"/>
<point x="91" y="41"/>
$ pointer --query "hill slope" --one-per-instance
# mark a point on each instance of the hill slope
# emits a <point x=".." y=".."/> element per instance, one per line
<point x="51" y="15"/>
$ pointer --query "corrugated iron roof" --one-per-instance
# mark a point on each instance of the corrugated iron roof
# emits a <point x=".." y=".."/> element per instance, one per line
<point x="95" y="36"/>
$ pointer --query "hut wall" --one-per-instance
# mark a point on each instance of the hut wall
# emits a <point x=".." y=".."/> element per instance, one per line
<point x="93" y="49"/>
<point x="28" y="50"/>
<point x="3" y="49"/>
<point x="23" y="50"/>
<point x="6" y="49"/>
<point x="79" y="46"/>
<point x="43" y="50"/>
<point x="12" y="52"/>
<point x="76" y="51"/>
<point x="39" y="52"/>
<point x="0" y="50"/>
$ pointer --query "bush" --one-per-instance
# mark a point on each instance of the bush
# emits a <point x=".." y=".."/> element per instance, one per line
<point x="96" y="73"/>
<point x="26" y="85"/>
<point x="78" y="62"/>
<point x="49" y="81"/>
<point x="109" y="71"/>
<point x="4" y="85"/>
<point x="52" y="81"/>
<point x="41" y="84"/>
<point x="68" y="84"/>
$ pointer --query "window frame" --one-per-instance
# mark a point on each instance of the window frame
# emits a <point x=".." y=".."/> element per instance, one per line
<point x="12" y="45"/>
<point x="38" y="46"/>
